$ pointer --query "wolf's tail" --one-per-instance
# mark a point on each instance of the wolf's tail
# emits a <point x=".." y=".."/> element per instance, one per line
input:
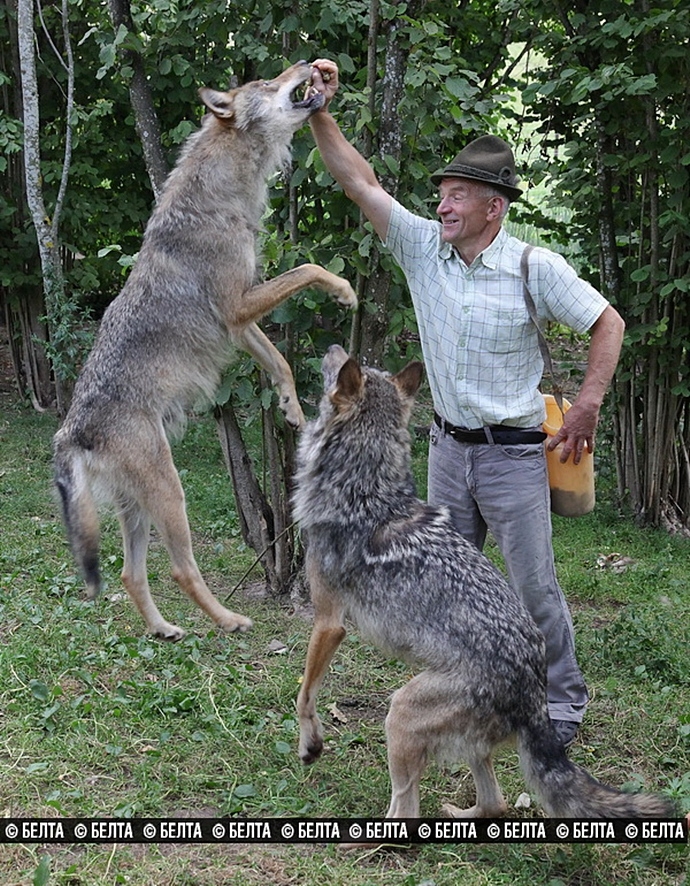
<point x="79" y="511"/>
<point x="568" y="791"/>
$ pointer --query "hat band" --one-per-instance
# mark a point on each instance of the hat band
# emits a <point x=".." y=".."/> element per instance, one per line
<point x="505" y="178"/>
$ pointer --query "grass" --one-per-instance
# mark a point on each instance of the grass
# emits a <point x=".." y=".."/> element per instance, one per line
<point x="98" y="720"/>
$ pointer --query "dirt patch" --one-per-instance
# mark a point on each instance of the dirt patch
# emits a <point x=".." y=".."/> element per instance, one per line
<point x="370" y="708"/>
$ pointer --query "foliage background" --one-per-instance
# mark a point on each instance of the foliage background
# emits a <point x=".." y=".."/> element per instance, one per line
<point x="594" y="97"/>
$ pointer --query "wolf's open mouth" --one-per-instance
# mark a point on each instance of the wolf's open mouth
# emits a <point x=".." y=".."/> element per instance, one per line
<point x="311" y="98"/>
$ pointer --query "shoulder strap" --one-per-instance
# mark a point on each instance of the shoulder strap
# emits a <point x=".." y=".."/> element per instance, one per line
<point x="532" y="311"/>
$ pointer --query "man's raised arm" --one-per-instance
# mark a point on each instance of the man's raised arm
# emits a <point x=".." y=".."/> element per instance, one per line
<point x="347" y="166"/>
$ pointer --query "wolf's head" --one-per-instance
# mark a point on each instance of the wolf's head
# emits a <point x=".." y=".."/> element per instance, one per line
<point x="354" y="459"/>
<point x="349" y="388"/>
<point x="271" y="104"/>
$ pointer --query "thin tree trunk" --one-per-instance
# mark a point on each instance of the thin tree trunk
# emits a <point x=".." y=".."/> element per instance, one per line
<point x="141" y="98"/>
<point x="253" y="509"/>
<point x="279" y="461"/>
<point x="47" y="229"/>
<point x="374" y="322"/>
<point x="361" y="284"/>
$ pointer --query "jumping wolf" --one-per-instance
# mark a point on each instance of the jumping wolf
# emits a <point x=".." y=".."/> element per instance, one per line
<point x="420" y="592"/>
<point x="166" y="338"/>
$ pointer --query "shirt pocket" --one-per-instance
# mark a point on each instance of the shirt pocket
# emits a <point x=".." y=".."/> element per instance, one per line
<point x="504" y="330"/>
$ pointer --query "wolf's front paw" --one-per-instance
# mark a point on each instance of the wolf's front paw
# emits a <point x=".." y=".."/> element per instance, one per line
<point x="292" y="411"/>
<point x="345" y="294"/>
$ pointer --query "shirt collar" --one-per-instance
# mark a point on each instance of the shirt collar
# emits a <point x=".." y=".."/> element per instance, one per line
<point x="488" y="257"/>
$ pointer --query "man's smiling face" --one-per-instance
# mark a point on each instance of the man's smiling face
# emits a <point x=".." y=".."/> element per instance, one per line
<point x="465" y="210"/>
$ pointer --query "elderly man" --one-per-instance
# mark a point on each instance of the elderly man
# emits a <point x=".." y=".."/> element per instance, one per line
<point x="486" y="453"/>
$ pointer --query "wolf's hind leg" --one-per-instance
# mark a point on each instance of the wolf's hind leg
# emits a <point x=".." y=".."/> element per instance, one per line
<point x="489" y="802"/>
<point x="159" y="493"/>
<point x="431" y="716"/>
<point x="408" y="745"/>
<point x="136" y="527"/>
<point x="170" y="517"/>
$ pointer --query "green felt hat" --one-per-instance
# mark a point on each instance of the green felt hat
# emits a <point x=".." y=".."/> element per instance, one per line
<point x="487" y="159"/>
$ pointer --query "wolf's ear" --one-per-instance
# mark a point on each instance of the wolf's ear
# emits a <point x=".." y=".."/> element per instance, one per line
<point x="220" y="104"/>
<point x="349" y="386"/>
<point x="408" y="380"/>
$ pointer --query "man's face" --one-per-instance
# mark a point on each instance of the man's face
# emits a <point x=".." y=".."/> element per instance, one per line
<point x="465" y="209"/>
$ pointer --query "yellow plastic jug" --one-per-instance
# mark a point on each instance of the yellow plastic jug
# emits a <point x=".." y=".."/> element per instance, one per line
<point x="571" y="485"/>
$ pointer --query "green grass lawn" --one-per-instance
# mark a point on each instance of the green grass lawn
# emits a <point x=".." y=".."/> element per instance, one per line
<point x="99" y="720"/>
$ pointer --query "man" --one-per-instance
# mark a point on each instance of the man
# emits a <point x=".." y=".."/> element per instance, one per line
<point x="486" y="456"/>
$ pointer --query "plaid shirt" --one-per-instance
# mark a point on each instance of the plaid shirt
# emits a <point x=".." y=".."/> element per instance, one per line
<point x="480" y="347"/>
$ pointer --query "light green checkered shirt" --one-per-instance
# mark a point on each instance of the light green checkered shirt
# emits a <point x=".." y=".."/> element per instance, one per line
<point x="480" y="347"/>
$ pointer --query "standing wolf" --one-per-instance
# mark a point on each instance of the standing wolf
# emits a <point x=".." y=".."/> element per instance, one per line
<point x="166" y="338"/>
<point x="416" y="588"/>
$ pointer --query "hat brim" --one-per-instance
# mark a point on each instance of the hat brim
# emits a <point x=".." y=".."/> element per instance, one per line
<point x="509" y="190"/>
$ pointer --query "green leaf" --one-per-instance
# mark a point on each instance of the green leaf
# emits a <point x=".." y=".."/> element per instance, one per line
<point x="336" y="265"/>
<point x="42" y="874"/>
<point x="39" y="690"/>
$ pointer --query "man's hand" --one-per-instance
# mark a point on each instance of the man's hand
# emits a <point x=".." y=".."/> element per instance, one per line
<point x="325" y="79"/>
<point x="580" y="421"/>
<point x="577" y="432"/>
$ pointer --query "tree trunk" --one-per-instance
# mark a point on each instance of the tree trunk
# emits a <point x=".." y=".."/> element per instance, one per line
<point x="264" y="516"/>
<point x="361" y="284"/>
<point x="279" y="457"/>
<point x="22" y="299"/>
<point x="47" y="229"/>
<point x="253" y="510"/>
<point x="652" y="464"/>
<point x="371" y="337"/>
<point x="141" y="98"/>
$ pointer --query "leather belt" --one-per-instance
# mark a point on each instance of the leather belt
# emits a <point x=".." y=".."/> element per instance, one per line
<point x="502" y="435"/>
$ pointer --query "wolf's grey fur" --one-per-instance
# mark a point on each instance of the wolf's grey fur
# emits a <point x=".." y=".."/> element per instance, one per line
<point x="166" y="338"/>
<point x="419" y="591"/>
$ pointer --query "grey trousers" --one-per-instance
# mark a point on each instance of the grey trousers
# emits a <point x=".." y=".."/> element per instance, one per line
<point x="504" y="489"/>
